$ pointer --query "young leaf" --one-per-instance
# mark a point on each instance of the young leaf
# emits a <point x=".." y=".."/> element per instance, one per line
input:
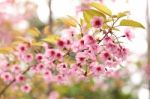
<point x="37" y="43"/>
<point x="102" y="8"/>
<point x="89" y="14"/>
<point x="34" y="32"/>
<point x="46" y="30"/>
<point x="132" y="23"/>
<point x="122" y="14"/>
<point x="70" y="21"/>
<point x="5" y="50"/>
<point x="51" y="39"/>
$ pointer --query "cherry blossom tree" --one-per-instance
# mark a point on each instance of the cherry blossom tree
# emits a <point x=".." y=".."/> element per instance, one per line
<point x="91" y="49"/>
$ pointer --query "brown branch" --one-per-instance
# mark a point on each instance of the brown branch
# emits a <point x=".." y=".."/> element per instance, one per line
<point x="50" y="17"/>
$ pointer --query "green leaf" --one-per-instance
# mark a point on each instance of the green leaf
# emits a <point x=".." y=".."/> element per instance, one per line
<point x="69" y="21"/>
<point x="132" y="23"/>
<point x="122" y="14"/>
<point x="89" y="14"/>
<point x="102" y="8"/>
<point x="34" y="32"/>
<point x="5" y="50"/>
<point x="51" y="38"/>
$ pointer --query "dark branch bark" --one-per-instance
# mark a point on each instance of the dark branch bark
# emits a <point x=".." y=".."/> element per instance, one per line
<point x="50" y="16"/>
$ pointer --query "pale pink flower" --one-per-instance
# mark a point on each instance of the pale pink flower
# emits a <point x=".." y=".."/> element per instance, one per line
<point x="54" y="95"/>
<point x="39" y="57"/>
<point x="111" y="47"/>
<point x="96" y="22"/>
<point x="89" y="39"/>
<point x="28" y="58"/>
<point x="105" y="56"/>
<point x="122" y="53"/>
<point x="20" y="78"/>
<point x="16" y="69"/>
<point x="81" y="57"/>
<point x="26" y="88"/>
<point x="71" y="32"/>
<point x="7" y="76"/>
<point x="128" y="34"/>
<point x="21" y="48"/>
<point x="98" y="70"/>
<point x="47" y="75"/>
<point x="108" y="40"/>
<point x="81" y="8"/>
<point x="40" y="67"/>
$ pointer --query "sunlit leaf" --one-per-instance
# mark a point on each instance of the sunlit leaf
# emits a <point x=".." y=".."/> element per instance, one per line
<point x="132" y="23"/>
<point x="122" y="14"/>
<point x="46" y="30"/>
<point x="5" y="50"/>
<point x="51" y="39"/>
<point x="102" y="8"/>
<point x="37" y="44"/>
<point x="70" y="21"/>
<point x="21" y="39"/>
<point x="33" y="32"/>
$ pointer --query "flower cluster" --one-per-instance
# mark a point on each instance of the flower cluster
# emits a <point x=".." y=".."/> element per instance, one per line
<point x="71" y="59"/>
<point x="91" y="51"/>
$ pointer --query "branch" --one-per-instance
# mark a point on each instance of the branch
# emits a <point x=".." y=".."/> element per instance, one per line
<point x="50" y="16"/>
<point x="7" y="86"/>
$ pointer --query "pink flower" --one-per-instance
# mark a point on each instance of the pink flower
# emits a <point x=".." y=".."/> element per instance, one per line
<point x="61" y="43"/>
<point x="96" y="22"/>
<point x="71" y="32"/>
<point x="39" y="57"/>
<point x="47" y="75"/>
<point x="81" y="8"/>
<point x="26" y="88"/>
<point x="111" y="47"/>
<point x="40" y="67"/>
<point x="6" y="76"/>
<point x="59" y="56"/>
<point x="20" y="78"/>
<point x="21" y="48"/>
<point x="81" y="57"/>
<point x="28" y="58"/>
<point x="98" y="70"/>
<point x="50" y="53"/>
<point x="89" y="39"/>
<point x="128" y="34"/>
<point x="16" y="69"/>
<point x="122" y="53"/>
<point x="105" y="56"/>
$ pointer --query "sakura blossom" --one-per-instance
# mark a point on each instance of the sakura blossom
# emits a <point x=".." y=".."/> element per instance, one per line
<point x="97" y="22"/>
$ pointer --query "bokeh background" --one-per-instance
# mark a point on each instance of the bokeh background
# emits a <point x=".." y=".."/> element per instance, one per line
<point x="132" y="83"/>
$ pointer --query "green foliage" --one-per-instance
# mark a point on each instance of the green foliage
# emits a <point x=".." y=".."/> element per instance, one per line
<point x="132" y="23"/>
<point x="51" y="38"/>
<point x="102" y="8"/>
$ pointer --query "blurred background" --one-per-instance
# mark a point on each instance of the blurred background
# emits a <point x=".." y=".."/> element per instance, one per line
<point x="131" y="83"/>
